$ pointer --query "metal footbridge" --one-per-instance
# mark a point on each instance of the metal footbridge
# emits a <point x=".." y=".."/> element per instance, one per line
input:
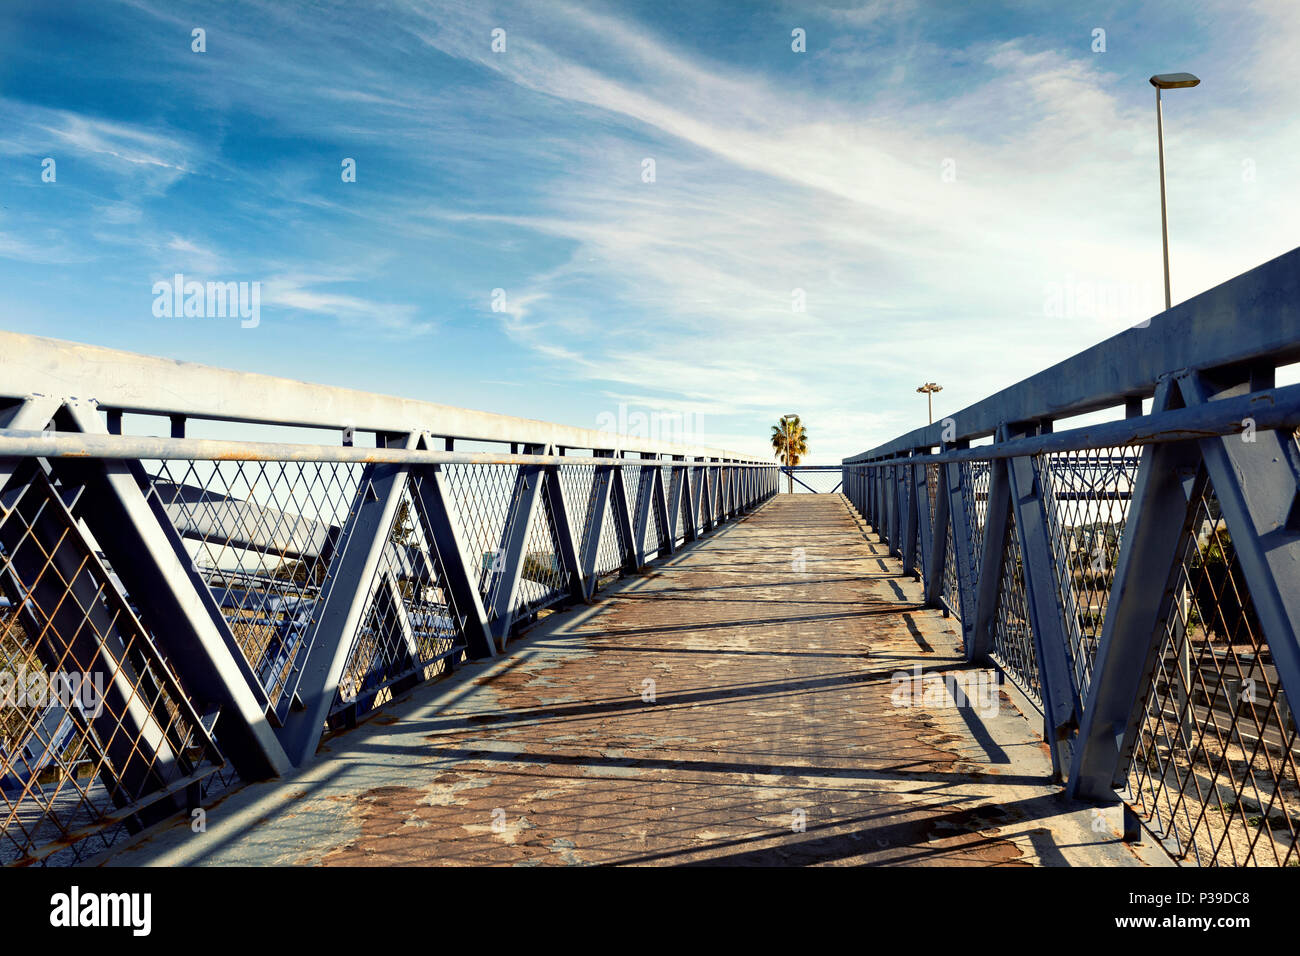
<point x="251" y="620"/>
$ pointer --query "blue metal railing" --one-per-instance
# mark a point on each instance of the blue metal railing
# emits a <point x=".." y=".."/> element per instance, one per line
<point x="1138" y="579"/>
<point x="237" y="598"/>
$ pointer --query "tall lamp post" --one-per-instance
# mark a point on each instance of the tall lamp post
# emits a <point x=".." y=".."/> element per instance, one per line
<point x="930" y="388"/>
<point x="1167" y="81"/>
<point x="1175" y="81"/>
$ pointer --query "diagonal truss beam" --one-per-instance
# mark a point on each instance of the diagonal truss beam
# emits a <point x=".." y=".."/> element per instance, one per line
<point x="1046" y="617"/>
<point x="1256" y="479"/>
<point x="150" y="558"/>
<point x="1139" y="603"/>
<point x="435" y="506"/>
<point x="990" y="563"/>
<point x="598" y="507"/>
<point x="347" y="592"/>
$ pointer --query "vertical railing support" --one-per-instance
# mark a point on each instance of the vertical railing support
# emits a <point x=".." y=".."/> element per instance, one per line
<point x="1042" y="601"/>
<point x="598" y="508"/>
<point x="921" y="520"/>
<point x="936" y="562"/>
<point x="991" y="560"/>
<point x="964" y="558"/>
<point x="566" y="535"/>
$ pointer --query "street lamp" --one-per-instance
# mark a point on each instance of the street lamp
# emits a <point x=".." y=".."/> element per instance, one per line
<point x="930" y="388"/>
<point x="1173" y="81"/>
<point x="1167" y="81"/>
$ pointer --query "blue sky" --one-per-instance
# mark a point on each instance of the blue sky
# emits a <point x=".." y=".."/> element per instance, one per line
<point x="938" y="178"/>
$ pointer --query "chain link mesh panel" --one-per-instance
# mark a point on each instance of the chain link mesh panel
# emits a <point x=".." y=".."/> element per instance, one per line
<point x="481" y="496"/>
<point x="951" y="588"/>
<point x="261" y="536"/>
<point x="1013" y="636"/>
<point x="1213" y="773"/>
<point x="609" y="554"/>
<point x="411" y="625"/>
<point x="97" y="739"/>
<point x="1088" y="495"/>
<point x="975" y="477"/>
<point x="542" y="580"/>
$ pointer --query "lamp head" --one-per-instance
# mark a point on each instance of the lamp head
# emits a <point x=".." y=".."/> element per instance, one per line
<point x="1174" y="81"/>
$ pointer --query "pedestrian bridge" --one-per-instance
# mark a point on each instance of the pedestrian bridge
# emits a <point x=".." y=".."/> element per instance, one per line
<point x="732" y="706"/>
<point x="248" y="620"/>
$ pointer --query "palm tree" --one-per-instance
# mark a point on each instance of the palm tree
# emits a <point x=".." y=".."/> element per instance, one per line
<point x="790" y="442"/>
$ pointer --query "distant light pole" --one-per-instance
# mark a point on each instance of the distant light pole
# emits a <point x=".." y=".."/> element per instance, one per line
<point x="930" y="388"/>
<point x="1167" y="81"/>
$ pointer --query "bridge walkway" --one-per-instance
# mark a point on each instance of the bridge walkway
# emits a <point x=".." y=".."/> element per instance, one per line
<point x="738" y="705"/>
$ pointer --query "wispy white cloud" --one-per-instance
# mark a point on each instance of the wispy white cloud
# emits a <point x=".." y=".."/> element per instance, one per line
<point x="761" y="189"/>
<point x="148" y="158"/>
<point x="189" y="255"/>
<point x="45" y="247"/>
<point x="305" y="294"/>
<point x="680" y="293"/>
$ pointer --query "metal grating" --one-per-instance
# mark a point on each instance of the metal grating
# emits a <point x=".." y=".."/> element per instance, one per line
<point x="481" y="496"/>
<point x="682" y="489"/>
<point x="1013" y="637"/>
<point x="921" y="544"/>
<point x="411" y="625"/>
<point x="814" y="482"/>
<point x="97" y="739"/>
<point x="932" y="486"/>
<point x="1088" y="501"/>
<point x="906" y="496"/>
<point x="975" y="476"/>
<point x="697" y="495"/>
<point x="575" y="488"/>
<point x="654" y="530"/>
<point x="1213" y="773"/>
<point x="609" y="554"/>
<point x="261" y="535"/>
<point x="951" y="589"/>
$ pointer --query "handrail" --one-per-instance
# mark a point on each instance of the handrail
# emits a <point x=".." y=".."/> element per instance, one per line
<point x="129" y="382"/>
<point x="1268" y="409"/>
<point x="1252" y="318"/>
<point x="21" y="443"/>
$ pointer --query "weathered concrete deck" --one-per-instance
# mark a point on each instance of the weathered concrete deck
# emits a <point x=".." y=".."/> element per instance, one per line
<point x="772" y="737"/>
